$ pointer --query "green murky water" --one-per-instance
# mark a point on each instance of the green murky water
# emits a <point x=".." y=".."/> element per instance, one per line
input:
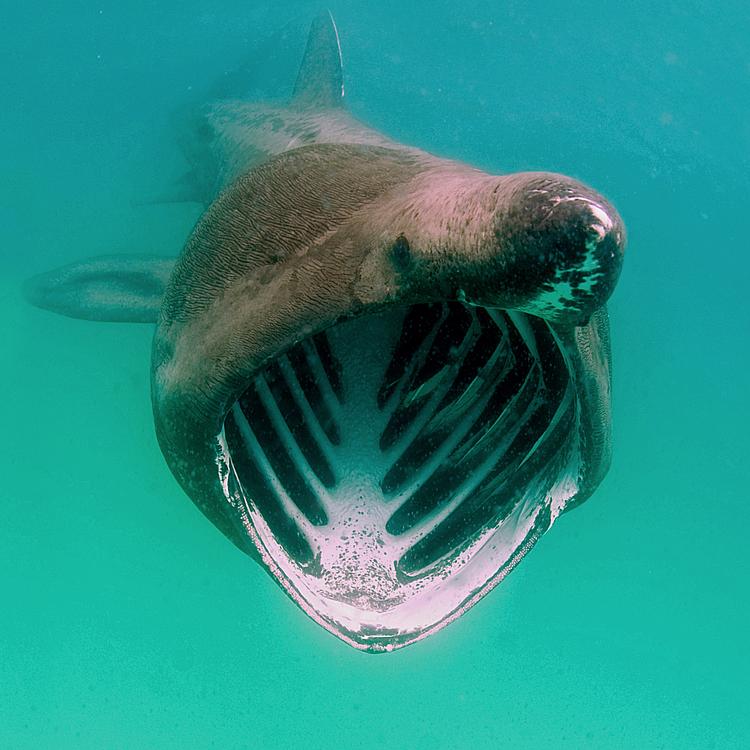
<point x="129" y="622"/>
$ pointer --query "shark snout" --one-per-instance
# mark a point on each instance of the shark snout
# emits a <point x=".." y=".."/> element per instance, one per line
<point x="561" y="246"/>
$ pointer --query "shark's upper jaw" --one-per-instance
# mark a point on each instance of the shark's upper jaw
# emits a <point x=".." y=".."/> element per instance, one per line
<point x="391" y="470"/>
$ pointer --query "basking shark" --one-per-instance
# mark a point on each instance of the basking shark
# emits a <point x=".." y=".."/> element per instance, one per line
<point x="381" y="374"/>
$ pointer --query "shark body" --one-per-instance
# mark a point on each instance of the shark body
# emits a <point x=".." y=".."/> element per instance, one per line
<point x="380" y="373"/>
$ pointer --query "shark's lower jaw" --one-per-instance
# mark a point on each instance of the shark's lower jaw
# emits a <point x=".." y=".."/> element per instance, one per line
<point x="392" y="470"/>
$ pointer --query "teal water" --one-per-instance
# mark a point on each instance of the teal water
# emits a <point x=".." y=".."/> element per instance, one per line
<point x="129" y="622"/>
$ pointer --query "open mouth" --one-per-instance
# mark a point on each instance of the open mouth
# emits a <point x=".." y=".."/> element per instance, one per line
<point x="394" y="468"/>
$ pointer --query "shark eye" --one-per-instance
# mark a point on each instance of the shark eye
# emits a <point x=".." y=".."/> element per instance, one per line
<point x="392" y="483"/>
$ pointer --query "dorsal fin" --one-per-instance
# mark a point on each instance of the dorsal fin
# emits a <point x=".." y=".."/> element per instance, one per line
<point x="320" y="81"/>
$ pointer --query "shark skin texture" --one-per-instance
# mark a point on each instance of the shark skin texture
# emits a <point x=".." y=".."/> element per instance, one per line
<point x="381" y="374"/>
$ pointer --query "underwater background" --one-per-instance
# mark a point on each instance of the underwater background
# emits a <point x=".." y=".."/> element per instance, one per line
<point x="128" y="621"/>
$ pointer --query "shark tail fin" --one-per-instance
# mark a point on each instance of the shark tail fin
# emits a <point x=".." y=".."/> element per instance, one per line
<point x="320" y="81"/>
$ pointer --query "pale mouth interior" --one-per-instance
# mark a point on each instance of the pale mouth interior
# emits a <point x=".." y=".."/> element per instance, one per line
<point x="395" y="467"/>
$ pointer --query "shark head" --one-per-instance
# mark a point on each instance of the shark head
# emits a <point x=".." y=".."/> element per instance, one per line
<point x="386" y="375"/>
<point x="381" y="374"/>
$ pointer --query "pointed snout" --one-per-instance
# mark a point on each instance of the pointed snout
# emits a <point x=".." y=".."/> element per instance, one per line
<point x="537" y="242"/>
<point x="561" y="245"/>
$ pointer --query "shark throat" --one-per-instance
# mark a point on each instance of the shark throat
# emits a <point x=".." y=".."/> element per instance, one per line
<point x="394" y="468"/>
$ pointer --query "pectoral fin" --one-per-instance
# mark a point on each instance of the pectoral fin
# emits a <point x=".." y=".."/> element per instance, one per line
<point x="109" y="288"/>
